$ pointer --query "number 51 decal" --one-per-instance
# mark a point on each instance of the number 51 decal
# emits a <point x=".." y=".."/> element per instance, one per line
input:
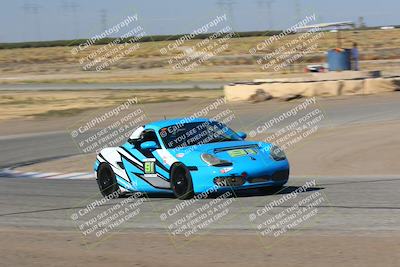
<point x="149" y="167"/>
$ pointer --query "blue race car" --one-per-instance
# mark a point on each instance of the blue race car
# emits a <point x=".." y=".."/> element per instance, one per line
<point x="188" y="157"/>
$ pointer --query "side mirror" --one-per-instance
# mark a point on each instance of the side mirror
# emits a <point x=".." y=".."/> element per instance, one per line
<point x="149" y="145"/>
<point x="242" y="135"/>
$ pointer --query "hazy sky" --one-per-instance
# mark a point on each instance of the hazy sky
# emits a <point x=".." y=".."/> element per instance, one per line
<point x="23" y="20"/>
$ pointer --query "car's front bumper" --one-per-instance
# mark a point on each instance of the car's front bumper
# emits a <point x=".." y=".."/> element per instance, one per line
<point x="240" y="177"/>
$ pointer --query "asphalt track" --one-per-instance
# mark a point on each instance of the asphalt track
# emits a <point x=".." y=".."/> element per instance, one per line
<point x="350" y="204"/>
<point x="31" y="147"/>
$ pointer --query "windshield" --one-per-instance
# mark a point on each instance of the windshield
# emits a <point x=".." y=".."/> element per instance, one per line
<point x="196" y="133"/>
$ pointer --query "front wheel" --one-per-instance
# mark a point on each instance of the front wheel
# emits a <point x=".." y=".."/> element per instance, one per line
<point x="107" y="182"/>
<point x="181" y="182"/>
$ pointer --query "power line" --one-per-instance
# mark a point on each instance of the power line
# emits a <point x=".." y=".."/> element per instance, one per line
<point x="226" y="6"/>
<point x="297" y="10"/>
<point x="32" y="10"/>
<point x="71" y="8"/>
<point x="104" y="19"/>
<point x="267" y="5"/>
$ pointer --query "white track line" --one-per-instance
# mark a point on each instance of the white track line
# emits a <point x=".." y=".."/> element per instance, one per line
<point x="9" y="173"/>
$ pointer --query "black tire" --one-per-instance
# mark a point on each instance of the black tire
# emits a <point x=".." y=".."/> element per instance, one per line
<point x="107" y="182"/>
<point x="181" y="182"/>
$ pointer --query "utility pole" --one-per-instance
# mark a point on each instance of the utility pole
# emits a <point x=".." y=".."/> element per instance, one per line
<point x="103" y="19"/>
<point x="226" y="6"/>
<point x="297" y="10"/>
<point x="266" y="5"/>
<point x="269" y="12"/>
<point x="361" y="23"/>
<point x="32" y="10"/>
<point x="71" y="7"/>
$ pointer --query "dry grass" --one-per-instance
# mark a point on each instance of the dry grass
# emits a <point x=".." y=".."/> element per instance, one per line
<point x="57" y="64"/>
<point x="40" y="104"/>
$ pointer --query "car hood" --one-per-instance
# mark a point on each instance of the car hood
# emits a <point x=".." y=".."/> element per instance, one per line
<point x="233" y="151"/>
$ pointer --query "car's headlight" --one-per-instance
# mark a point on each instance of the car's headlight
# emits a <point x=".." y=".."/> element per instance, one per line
<point x="214" y="161"/>
<point x="277" y="153"/>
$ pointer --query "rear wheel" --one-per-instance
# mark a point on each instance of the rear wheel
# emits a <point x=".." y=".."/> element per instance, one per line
<point x="181" y="182"/>
<point x="107" y="182"/>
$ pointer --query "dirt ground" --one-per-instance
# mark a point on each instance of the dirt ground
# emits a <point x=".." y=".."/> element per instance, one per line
<point x="45" y="104"/>
<point x="63" y="248"/>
